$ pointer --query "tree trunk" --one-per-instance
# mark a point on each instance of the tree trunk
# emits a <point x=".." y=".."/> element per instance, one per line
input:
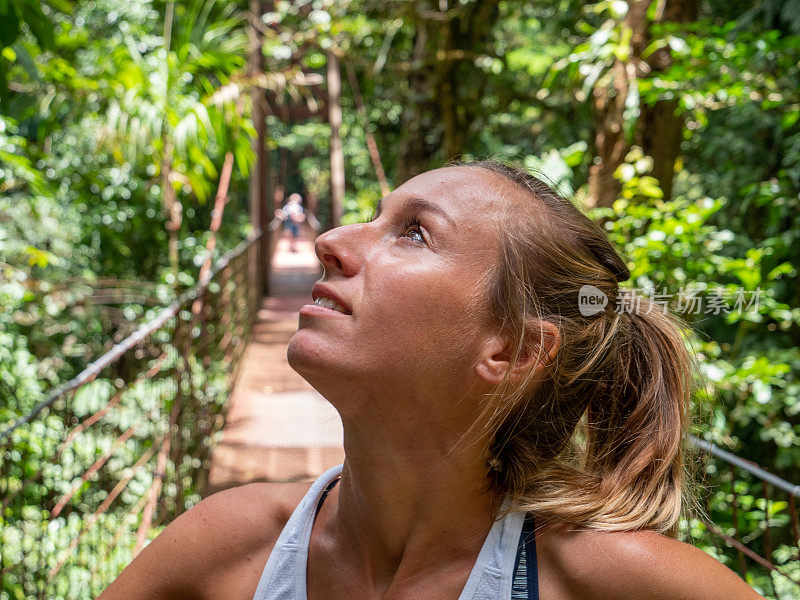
<point x="462" y="37"/>
<point x="172" y="206"/>
<point x="611" y="142"/>
<point x="443" y="108"/>
<point x="337" y="154"/>
<point x="372" y="146"/>
<point x="311" y="202"/>
<point x="260" y="211"/>
<point x="414" y="156"/>
<point x="660" y="128"/>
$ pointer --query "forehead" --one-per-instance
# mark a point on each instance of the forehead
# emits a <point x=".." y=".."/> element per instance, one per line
<point x="468" y="194"/>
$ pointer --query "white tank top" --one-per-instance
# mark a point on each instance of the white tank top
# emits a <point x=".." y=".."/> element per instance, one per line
<point x="284" y="575"/>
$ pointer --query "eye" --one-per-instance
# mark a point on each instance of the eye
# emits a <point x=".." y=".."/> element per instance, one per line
<point x="413" y="224"/>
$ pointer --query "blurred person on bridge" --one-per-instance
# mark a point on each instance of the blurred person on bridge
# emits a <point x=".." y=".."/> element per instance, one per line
<point x="292" y="215"/>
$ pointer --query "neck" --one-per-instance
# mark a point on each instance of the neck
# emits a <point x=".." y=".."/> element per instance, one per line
<point x="404" y="506"/>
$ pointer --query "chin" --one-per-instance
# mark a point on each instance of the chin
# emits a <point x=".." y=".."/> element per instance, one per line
<point x="312" y="358"/>
<point x="328" y="369"/>
<point x="303" y="353"/>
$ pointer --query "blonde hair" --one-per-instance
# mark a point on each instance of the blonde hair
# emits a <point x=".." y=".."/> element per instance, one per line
<point x="596" y="436"/>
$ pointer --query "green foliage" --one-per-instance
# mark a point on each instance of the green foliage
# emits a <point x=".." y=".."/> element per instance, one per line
<point x="76" y="480"/>
<point x="83" y="262"/>
<point x="13" y="14"/>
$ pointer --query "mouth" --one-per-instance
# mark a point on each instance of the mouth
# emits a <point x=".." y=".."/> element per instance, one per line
<point x="330" y="304"/>
<point x="321" y="310"/>
<point x="326" y="297"/>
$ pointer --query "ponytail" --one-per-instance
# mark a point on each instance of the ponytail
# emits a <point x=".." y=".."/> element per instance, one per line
<point x="597" y="435"/>
<point x="635" y="420"/>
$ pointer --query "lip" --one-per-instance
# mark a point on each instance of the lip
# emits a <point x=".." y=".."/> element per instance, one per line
<point x="312" y="310"/>
<point x="320" y="289"/>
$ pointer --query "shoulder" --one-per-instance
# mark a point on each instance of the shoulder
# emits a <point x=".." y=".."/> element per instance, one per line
<point x="641" y="565"/>
<point x="240" y="519"/>
<point x="230" y="535"/>
<point x="251" y="507"/>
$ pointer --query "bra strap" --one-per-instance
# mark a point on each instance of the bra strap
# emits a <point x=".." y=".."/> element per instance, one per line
<point x="526" y="584"/>
<point x="328" y="488"/>
<point x="529" y="534"/>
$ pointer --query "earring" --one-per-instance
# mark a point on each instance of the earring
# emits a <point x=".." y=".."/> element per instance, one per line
<point x="494" y="463"/>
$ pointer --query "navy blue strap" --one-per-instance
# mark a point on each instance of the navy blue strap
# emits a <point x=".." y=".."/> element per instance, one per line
<point x="526" y="583"/>
<point x="529" y="534"/>
<point x="520" y="550"/>
<point x="328" y="488"/>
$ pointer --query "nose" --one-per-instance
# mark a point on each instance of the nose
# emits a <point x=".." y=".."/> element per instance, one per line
<point x="336" y="249"/>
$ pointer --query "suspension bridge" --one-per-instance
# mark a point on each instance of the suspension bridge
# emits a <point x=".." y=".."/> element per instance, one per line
<point x="278" y="428"/>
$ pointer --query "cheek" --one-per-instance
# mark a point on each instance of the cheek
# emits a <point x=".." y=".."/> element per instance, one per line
<point x="421" y="312"/>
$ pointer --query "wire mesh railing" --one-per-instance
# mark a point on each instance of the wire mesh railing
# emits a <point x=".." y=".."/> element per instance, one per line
<point x="124" y="447"/>
<point x="754" y="514"/>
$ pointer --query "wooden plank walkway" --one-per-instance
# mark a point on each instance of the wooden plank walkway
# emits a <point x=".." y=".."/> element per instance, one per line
<point x="278" y="427"/>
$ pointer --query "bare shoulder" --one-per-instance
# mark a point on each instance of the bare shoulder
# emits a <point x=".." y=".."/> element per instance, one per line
<point x="644" y="565"/>
<point x="221" y="544"/>
<point x="246" y="517"/>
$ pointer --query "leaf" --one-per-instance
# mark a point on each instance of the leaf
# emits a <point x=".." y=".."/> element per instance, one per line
<point x="9" y="23"/>
<point x="789" y="119"/>
<point x="649" y="187"/>
<point x="3" y="84"/>
<point x="41" y="27"/>
<point x="573" y="154"/>
<point x="39" y="258"/>
<point x="762" y="392"/>
<point x="782" y="269"/>
<point x="91" y="397"/>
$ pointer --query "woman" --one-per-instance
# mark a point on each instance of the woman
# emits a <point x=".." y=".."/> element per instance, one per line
<point x="457" y="353"/>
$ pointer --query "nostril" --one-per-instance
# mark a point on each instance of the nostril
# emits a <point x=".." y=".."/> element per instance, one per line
<point x="331" y="257"/>
<point x="333" y="251"/>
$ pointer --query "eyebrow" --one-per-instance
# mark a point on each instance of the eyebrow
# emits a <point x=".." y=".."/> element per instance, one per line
<point x="418" y="204"/>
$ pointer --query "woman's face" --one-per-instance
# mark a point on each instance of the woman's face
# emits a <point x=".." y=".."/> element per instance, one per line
<point x="415" y="281"/>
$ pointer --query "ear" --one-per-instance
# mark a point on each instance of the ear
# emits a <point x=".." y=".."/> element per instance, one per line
<point x="542" y="341"/>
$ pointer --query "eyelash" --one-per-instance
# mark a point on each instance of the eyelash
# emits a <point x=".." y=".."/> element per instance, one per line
<point x="411" y="221"/>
